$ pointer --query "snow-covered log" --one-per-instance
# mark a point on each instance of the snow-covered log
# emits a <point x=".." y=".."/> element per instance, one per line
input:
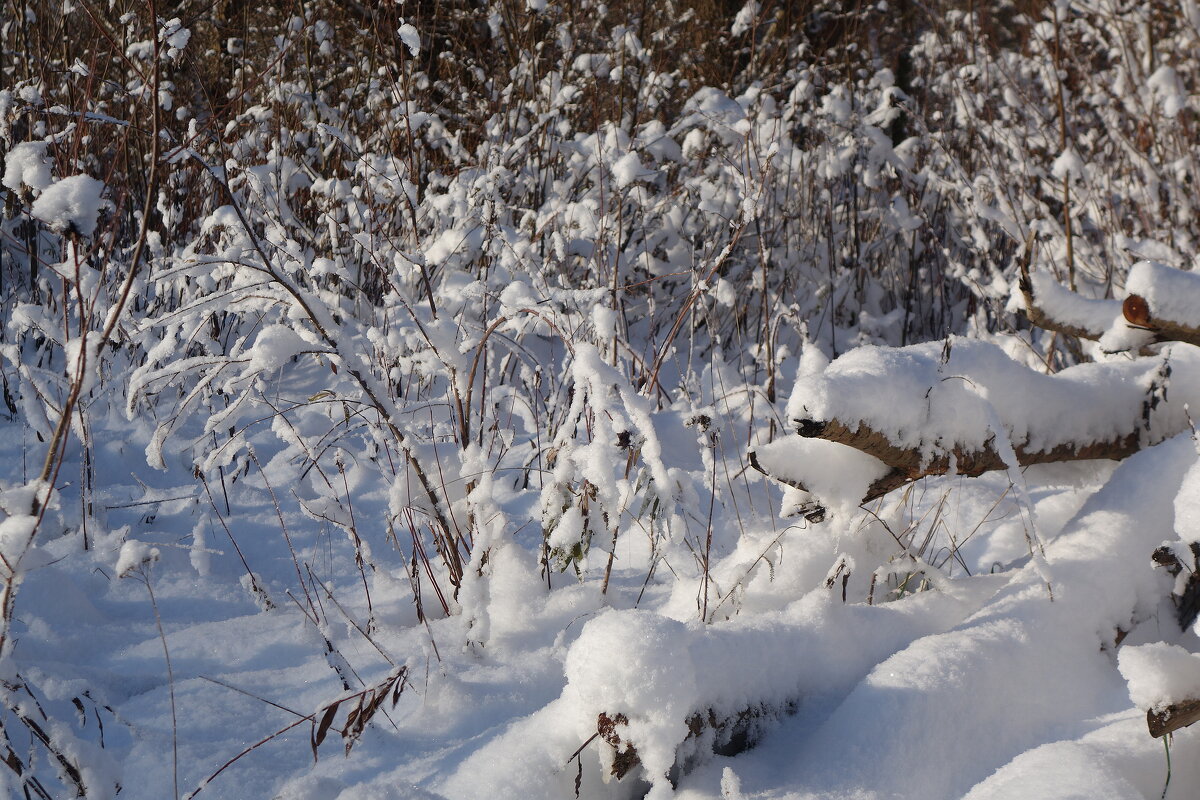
<point x="912" y="463"/>
<point x="660" y="697"/>
<point x="1160" y="306"/>
<point x="709" y="733"/>
<point x="1164" y="301"/>
<point x="965" y="407"/>
<point x="1164" y="680"/>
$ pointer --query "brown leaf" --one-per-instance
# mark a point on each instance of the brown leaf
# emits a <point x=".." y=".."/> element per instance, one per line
<point x="323" y="728"/>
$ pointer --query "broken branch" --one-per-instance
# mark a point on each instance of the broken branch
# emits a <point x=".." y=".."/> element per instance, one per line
<point x="1173" y="717"/>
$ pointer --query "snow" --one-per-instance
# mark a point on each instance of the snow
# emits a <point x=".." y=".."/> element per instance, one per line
<point x="832" y="678"/>
<point x="276" y="345"/>
<point x="134" y="555"/>
<point x="1068" y="165"/>
<point x="433" y="442"/>
<point x="175" y="37"/>
<point x="745" y="18"/>
<point x="628" y="169"/>
<point x="1160" y="674"/>
<point x="72" y="203"/>
<point x="1166" y="291"/>
<point x="27" y="165"/>
<point x="936" y="396"/>
<point x="1067" y="307"/>
<point x="1187" y="507"/>
<point x="410" y="38"/>
<point x="1168" y="90"/>
<point x="836" y="474"/>
<point x="83" y="354"/>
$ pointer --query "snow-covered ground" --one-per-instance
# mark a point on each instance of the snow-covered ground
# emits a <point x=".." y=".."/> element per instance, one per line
<point x="384" y="391"/>
<point x="969" y="670"/>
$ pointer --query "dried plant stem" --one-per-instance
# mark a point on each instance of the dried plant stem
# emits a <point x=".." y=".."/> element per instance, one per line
<point x="145" y="576"/>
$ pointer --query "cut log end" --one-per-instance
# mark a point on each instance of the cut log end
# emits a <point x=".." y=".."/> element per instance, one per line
<point x="1136" y="311"/>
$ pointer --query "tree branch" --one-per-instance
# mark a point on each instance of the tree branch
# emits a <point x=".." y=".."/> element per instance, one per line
<point x="1085" y="322"/>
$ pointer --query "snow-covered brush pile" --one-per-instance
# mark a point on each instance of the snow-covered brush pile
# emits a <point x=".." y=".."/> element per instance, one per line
<point x="400" y="375"/>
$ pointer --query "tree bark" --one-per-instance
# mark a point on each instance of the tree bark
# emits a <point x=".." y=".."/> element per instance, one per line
<point x="1038" y="316"/>
<point x="909" y="464"/>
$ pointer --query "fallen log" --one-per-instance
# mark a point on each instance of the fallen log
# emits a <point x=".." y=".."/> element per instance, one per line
<point x="956" y="407"/>
<point x="1137" y="313"/>
<point x="907" y="465"/>
<point x="911" y="464"/>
